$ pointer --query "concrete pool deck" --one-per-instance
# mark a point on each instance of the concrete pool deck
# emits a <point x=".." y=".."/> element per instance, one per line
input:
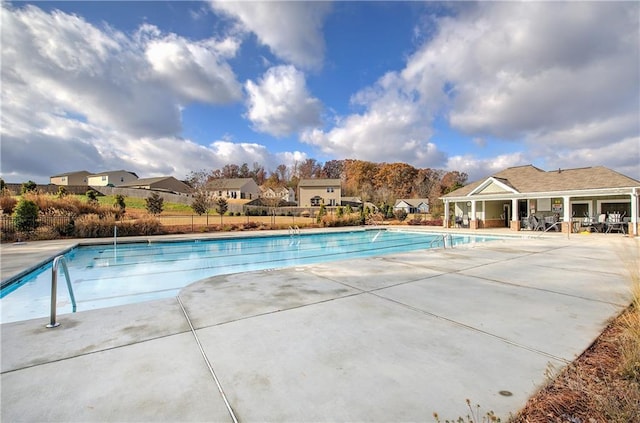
<point x="390" y="338"/>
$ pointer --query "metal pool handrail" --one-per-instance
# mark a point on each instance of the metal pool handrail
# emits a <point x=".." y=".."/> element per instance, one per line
<point x="54" y="288"/>
<point x="442" y="238"/>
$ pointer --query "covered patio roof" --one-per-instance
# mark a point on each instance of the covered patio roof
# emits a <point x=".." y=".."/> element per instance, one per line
<point x="570" y="186"/>
<point x="531" y="182"/>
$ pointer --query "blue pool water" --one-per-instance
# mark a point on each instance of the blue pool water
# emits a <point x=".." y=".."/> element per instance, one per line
<point x="104" y="275"/>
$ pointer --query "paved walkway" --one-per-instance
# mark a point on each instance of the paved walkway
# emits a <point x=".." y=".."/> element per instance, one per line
<point x="393" y="338"/>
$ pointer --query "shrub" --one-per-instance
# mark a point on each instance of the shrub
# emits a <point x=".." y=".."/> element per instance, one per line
<point x="401" y="215"/>
<point x="146" y="226"/>
<point x="25" y="216"/>
<point x="28" y="186"/>
<point x="7" y="203"/>
<point x="92" y="226"/>
<point x="155" y="204"/>
<point x="118" y="202"/>
<point x="62" y="192"/>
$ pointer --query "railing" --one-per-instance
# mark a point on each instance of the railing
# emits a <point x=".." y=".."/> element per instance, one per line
<point x="442" y="239"/>
<point x="54" y="289"/>
<point x="294" y="235"/>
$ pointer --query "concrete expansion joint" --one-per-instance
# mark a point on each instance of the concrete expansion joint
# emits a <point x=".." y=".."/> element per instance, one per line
<point x="475" y="329"/>
<point x="207" y="362"/>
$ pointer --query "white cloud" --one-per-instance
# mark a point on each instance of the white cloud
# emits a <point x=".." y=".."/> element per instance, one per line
<point x="279" y="103"/>
<point x="518" y="68"/>
<point x="195" y="71"/>
<point x="557" y="77"/>
<point x="477" y="168"/>
<point x="292" y="30"/>
<point x="75" y="96"/>
<point x="393" y="127"/>
<point x="133" y="85"/>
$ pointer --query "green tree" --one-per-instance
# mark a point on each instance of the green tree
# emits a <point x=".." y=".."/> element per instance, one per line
<point x="154" y="204"/>
<point x="62" y="192"/>
<point x="322" y="212"/>
<point x="221" y="207"/>
<point x="28" y="187"/>
<point x="25" y="216"/>
<point x="340" y="212"/>
<point x="2" y="184"/>
<point x="118" y="201"/>
<point x="92" y="196"/>
<point x="201" y="203"/>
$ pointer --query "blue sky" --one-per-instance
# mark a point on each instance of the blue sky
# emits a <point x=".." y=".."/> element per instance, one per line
<point x="164" y="88"/>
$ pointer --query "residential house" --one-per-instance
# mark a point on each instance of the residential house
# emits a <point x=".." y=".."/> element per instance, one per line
<point x="412" y="205"/>
<point x="282" y="193"/>
<point x="315" y="192"/>
<point x="353" y="202"/>
<point x="161" y="183"/>
<point x="235" y="188"/>
<point x="112" y="178"/>
<point x="509" y="197"/>
<point x="71" y="178"/>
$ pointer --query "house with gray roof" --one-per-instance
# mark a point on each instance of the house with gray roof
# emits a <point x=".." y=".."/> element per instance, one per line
<point x="506" y="198"/>
<point x="412" y="205"/>
<point x="234" y="188"/>
<point x="161" y="183"/>
<point x="70" y="178"/>
<point x="111" y="178"/>
<point x="317" y="191"/>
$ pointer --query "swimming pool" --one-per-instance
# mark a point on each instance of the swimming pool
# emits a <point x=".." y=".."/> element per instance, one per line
<point x="108" y="275"/>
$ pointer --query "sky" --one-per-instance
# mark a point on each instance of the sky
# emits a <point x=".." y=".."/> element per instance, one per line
<point x="163" y="88"/>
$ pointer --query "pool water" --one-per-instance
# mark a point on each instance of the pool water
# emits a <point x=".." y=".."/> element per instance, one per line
<point x="104" y="275"/>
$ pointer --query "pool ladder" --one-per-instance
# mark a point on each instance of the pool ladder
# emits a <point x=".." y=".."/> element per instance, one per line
<point x="442" y="239"/>
<point x="294" y="235"/>
<point x="59" y="260"/>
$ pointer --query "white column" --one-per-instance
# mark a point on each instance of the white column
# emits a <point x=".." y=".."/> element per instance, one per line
<point x="634" y="212"/>
<point x="566" y="206"/>
<point x="473" y="210"/>
<point x="514" y="209"/>
<point x="445" y="221"/>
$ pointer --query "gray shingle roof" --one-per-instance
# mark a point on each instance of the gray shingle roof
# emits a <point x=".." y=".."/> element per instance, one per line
<point x="530" y="179"/>
<point x="318" y="182"/>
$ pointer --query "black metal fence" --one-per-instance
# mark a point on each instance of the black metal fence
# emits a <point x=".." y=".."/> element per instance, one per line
<point x="8" y="224"/>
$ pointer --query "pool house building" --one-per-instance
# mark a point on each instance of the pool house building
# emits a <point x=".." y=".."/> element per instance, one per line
<point x="512" y="196"/>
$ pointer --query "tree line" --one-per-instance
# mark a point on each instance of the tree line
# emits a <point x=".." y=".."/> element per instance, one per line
<point x="379" y="183"/>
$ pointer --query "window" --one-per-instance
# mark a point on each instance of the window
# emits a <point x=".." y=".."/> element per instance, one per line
<point x="615" y="206"/>
<point x="315" y="201"/>
<point x="581" y="209"/>
<point x="329" y="189"/>
<point x="104" y="177"/>
<point x="122" y="179"/>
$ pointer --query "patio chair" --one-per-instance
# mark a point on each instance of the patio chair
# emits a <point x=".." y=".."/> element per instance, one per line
<point x="538" y="224"/>
<point x="587" y="223"/>
<point x="614" y="223"/>
<point x="551" y="222"/>
<point x="465" y="221"/>
<point x="600" y="226"/>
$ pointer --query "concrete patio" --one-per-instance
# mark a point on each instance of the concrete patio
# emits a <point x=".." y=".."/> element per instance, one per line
<point x="391" y="338"/>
